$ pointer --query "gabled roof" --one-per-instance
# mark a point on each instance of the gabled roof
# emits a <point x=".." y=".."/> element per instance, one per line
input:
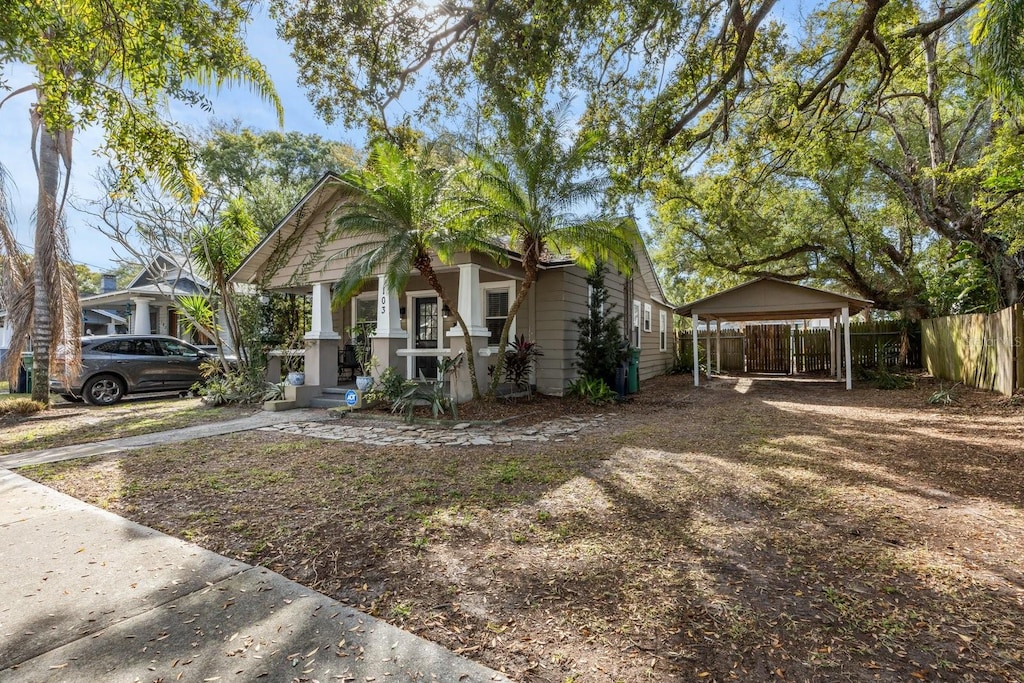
<point x="165" y="267"/>
<point x="285" y="228"/>
<point x="769" y="298"/>
<point x="327" y="187"/>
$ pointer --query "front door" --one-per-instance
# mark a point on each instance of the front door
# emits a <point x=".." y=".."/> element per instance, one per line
<point x="427" y="325"/>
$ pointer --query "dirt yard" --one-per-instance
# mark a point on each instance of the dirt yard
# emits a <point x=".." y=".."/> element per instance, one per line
<point x="64" y="424"/>
<point x="750" y="530"/>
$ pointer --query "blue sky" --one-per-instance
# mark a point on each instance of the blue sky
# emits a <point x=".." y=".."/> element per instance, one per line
<point x="88" y="246"/>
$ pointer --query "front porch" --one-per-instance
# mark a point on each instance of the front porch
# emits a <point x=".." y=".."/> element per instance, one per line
<point x="411" y="331"/>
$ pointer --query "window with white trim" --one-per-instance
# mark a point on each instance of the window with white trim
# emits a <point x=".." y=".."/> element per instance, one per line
<point x="663" y="330"/>
<point x="497" y="300"/>
<point x="365" y="310"/>
<point x="647" y="317"/>
<point x="636" y="323"/>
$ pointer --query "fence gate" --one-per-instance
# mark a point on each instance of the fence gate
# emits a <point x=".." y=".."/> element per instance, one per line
<point x="768" y="348"/>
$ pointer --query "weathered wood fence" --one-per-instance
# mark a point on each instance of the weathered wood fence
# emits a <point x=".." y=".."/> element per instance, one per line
<point x="980" y="350"/>
<point x="782" y="349"/>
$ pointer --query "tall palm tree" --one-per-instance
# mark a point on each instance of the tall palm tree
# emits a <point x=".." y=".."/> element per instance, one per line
<point x="401" y="216"/>
<point x="529" y="196"/>
<point x="116" y="64"/>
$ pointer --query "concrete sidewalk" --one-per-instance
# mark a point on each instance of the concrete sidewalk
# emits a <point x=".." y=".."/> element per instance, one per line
<point x="86" y="595"/>
<point x="85" y="450"/>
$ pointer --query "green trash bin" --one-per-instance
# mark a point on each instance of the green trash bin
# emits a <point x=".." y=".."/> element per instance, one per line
<point x="25" y="374"/>
<point x="633" y="376"/>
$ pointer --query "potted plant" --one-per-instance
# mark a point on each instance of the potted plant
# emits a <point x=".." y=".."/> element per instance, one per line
<point x="365" y="359"/>
<point x="295" y="362"/>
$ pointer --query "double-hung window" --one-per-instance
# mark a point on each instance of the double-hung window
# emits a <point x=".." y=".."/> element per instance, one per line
<point x="497" y="300"/>
<point x="662" y="330"/>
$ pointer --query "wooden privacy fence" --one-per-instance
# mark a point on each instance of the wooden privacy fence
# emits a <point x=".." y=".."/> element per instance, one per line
<point x="980" y="350"/>
<point x="778" y="349"/>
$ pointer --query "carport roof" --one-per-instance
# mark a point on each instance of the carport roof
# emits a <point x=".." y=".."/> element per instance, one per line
<point x="768" y="298"/>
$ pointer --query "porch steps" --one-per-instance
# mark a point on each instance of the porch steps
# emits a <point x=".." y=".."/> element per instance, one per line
<point x="332" y="397"/>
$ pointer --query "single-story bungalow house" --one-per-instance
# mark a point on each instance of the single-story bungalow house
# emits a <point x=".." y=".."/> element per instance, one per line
<point x="413" y="328"/>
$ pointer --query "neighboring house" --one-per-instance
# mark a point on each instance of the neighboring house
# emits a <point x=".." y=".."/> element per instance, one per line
<point x="148" y="304"/>
<point x="145" y="306"/>
<point x="413" y="328"/>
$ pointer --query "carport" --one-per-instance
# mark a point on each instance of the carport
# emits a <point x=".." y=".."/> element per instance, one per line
<point x="771" y="299"/>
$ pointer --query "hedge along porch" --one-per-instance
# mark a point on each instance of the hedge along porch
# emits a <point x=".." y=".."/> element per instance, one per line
<point x="412" y="328"/>
<point x="771" y="299"/>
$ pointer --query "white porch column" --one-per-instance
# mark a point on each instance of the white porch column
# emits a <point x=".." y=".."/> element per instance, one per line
<point x="846" y="342"/>
<point x="162" y="320"/>
<point x="322" y="341"/>
<point x="470" y="304"/>
<point x="389" y="313"/>
<point x="5" y="335"/>
<point x="322" y="325"/>
<point x="696" y="352"/>
<point x="140" y="321"/>
<point x="111" y="328"/>
<point x="718" y="346"/>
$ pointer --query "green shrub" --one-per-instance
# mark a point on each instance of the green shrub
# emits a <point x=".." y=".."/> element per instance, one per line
<point x="883" y="378"/>
<point x="600" y="347"/>
<point x="388" y="388"/>
<point x="20" y="406"/>
<point x="519" y="360"/>
<point x="592" y="390"/>
<point x="944" y="396"/>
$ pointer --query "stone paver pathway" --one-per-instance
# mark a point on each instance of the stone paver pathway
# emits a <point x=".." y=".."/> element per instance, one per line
<point x="382" y="433"/>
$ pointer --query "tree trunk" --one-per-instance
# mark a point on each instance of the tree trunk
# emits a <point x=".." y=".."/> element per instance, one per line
<point x="44" y="263"/>
<point x="427" y="271"/>
<point x="529" y="277"/>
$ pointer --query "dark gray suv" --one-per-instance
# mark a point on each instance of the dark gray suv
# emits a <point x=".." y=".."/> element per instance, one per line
<point x="116" y="365"/>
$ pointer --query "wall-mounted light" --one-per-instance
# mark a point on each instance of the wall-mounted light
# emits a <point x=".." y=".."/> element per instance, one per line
<point x="401" y="311"/>
<point x="447" y="311"/>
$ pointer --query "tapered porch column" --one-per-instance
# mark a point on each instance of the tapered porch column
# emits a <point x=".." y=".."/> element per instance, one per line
<point x="388" y="337"/>
<point x="322" y="341"/>
<point x="471" y="308"/>
<point x="140" y="323"/>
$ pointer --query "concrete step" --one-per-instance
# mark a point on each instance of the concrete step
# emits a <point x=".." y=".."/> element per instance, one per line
<point x="325" y="402"/>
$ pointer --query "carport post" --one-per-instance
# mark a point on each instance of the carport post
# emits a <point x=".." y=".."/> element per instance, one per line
<point x="707" y="347"/>
<point x="718" y="345"/>
<point x="696" y="352"/>
<point x="832" y="343"/>
<point x="849" y="353"/>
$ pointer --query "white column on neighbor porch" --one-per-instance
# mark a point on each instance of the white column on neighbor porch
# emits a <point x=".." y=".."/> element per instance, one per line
<point x="846" y="342"/>
<point x="696" y="352"/>
<point x="5" y="335"/>
<point x="163" y="321"/>
<point x="322" y="324"/>
<point x="111" y="328"/>
<point x="470" y="303"/>
<point x="140" y="321"/>
<point x="389" y="313"/>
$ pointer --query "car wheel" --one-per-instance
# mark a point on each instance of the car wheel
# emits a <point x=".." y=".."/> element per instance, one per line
<point x="103" y="390"/>
<point x="71" y="398"/>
